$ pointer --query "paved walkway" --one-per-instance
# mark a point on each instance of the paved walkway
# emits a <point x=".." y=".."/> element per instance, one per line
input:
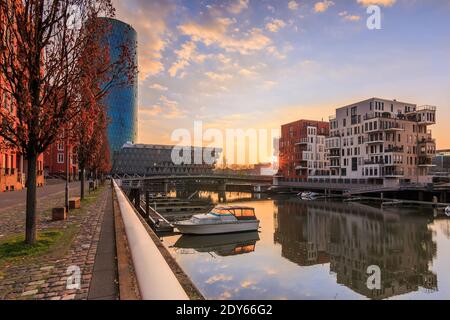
<point x="13" y="206"/>
<point x="48" y="277"/>
<point x="104" y="284"/>
<point x="11" y="199"/>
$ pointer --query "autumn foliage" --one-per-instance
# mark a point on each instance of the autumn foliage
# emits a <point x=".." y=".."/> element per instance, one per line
<point x="55" y="70"/>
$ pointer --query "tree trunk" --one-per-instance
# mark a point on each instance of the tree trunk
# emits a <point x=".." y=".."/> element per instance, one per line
<point x="82" y="179"/>
<point x="31" y="217"/>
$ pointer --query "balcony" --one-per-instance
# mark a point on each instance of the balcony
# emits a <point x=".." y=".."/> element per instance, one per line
<point x="373" y="141"/>
<point x="334" y="156"/>
<point x="426" y="162"/>
<point x="424" y="115"/>
<point x="395" y="127"/>
<point x="395" y="150"/>
<point x="373" y="162"/>
<point x="427" y="140"/>
<point x="302" y="141"/>
<point x="394" y="174"/>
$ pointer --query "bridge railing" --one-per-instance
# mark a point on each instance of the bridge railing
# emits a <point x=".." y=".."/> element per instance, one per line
<point x="155" y="278"/>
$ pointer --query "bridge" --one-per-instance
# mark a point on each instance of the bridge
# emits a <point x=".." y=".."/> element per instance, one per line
<point x="219" y="183"/>
<point x="222" y="181"/>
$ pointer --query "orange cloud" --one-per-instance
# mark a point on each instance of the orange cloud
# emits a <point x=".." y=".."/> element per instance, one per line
<point x="216" y="32"/>
<point x="323" y="6"/>
<point x="275" y="25"/>
<point x="238" y="6"/>
<point x="385" y="3"/>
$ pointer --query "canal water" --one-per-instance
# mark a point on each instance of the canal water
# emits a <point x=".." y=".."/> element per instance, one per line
<point x="322" y="250"/>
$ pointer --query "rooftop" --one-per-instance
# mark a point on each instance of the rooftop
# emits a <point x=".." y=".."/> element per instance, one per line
<point x="378" y="99"/>
<point x="163" y="147"/>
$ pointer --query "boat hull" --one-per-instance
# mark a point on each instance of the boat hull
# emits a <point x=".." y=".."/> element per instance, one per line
<point x="219" y="228"/>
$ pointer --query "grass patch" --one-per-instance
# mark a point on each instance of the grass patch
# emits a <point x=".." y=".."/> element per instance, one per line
<point x="90" y="198"/>
<point x="52" y="242"/>
<point x="16" y="248"/>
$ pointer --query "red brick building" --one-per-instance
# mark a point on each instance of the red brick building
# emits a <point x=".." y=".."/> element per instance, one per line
<point x="302" y="149"/>
<point x="13" y="166"/>
<point x="56" y="161"/>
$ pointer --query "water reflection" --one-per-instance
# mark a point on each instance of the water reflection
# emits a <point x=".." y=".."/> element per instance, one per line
<point x="322" y="250"/>
<point x="352" y="237"/>
<point x="222" y="245"/>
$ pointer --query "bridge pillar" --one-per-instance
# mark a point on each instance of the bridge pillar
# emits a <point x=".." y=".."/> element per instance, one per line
<point x="276" y="181"/>
<point x="223" y="191"/>
<point x="421" y="196"/>
<point x="222" y="196"/>
<point x="166" y="186"/>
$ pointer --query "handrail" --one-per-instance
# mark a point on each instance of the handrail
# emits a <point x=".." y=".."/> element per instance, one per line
<point x="155" y="278"/>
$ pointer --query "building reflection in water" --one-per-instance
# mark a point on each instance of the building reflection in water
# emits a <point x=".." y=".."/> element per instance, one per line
<point x="352" y="237"/>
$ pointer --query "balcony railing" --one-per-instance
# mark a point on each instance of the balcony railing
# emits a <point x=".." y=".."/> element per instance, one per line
<point x="396" y="173"/>
<point x="303" y="141"/>
<point x="427" y="140"/>
<point x="394" y="150"/>
<point x="373" y="162"/>
<point x="426" y="108"/>
<point x="425" y="161"/>
<point x="374" y="140"/>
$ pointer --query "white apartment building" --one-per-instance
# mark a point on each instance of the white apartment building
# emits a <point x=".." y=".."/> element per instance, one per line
<point x="384" y="142"/>
<point x="315" y="157"/>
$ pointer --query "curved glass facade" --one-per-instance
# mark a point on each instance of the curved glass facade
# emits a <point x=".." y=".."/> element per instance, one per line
<point x="121" y="101"/>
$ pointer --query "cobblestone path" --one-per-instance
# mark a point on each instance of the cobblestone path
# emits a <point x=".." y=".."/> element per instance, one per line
<point x="46" y="277"/>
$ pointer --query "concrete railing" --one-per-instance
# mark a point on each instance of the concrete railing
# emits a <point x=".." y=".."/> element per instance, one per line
<point x="155" y="278"/>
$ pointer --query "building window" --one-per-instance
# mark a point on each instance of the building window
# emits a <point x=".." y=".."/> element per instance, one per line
<point x="60" y="146"/>
<point x="60" y="158"/>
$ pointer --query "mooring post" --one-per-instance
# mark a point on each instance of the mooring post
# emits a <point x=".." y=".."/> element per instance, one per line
<point x="435" y="202"/>
<point x="137" y="198"/>
<point x="443" y="196"/>
<point x="420" y="195"/>
<point x="147" y="203"/>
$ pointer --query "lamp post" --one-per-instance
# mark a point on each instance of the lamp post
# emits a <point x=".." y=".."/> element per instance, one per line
<point x="67" y="175"/>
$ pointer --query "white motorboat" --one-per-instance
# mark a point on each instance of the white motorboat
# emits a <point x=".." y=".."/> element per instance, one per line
<point x="220" y="220"/>
<point x="447" y="211"/>
<point x="308" y="195"/>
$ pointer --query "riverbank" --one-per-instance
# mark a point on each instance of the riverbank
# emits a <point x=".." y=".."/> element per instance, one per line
<point x="63" y="248"/>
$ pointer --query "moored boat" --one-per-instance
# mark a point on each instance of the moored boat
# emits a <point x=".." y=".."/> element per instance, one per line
<point x="219" y="221"/>
<point x="308" y="195"/>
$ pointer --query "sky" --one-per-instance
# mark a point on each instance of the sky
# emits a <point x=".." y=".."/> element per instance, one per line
<point x="260" y="63"/>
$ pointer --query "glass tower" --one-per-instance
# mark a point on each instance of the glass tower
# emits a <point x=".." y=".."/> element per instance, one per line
<point x="121" y="100"/>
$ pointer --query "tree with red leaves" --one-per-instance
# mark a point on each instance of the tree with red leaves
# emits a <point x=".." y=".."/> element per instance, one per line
<point x="45" y="47"/>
